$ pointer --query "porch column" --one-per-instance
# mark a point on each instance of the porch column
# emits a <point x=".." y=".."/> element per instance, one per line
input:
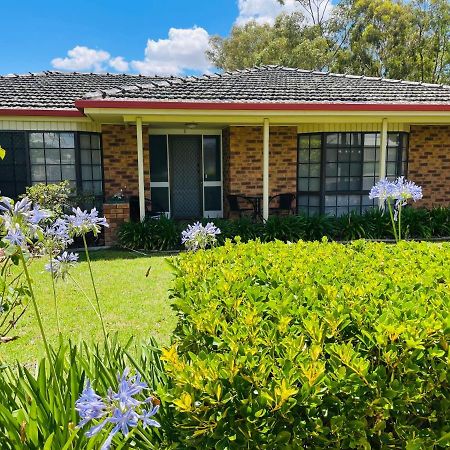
<point x="266" y="170"/>
<point x="140" y="154"/>
<point x="383" y="153"/>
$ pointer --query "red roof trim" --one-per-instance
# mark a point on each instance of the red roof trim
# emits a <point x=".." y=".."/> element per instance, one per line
<point x="128" y="104"/>
<point x="40" y="112"/>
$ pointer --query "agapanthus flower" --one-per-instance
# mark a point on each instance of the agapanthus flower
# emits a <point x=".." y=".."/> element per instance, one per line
<point x="15" y="236"/>
<point x="37" y="215"/>
<point x="384" y="190"/>
<point x="197" y="236"/>
<point x="400" y="191"/>
<point x="128" y="388"/>
<point x="60" y="266"/>
<point x="57" y="235"/>
<point x="406" y="190"/>
<point x="90" y="405"/>
<point x="20" y="220"/>
<point x="123" y="410"/>
<point x="82" y="222"/>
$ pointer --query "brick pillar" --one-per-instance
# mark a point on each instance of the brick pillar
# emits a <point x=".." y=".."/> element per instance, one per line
<point x="116" y="214"/>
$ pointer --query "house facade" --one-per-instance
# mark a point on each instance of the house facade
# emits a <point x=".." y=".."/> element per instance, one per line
<point x="184" y="145"/>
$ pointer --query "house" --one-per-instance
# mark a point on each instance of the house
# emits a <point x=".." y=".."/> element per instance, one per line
<point x="189" y="142"/>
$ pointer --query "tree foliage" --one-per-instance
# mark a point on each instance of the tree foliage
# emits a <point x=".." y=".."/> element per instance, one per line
<point x="383" y="38"/>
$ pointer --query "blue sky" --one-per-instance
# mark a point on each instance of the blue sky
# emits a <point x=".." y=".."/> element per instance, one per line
<point x="140" y="36"/>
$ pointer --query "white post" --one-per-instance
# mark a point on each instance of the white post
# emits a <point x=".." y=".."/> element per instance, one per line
<point x="383" y="154"/>
<point x="140" y="154"/>
<point x="266" y="170"/>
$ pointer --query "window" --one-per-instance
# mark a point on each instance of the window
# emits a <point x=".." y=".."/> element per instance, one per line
<point x="159" y="173"/>
<point x="337" y="170"/>
<point x="91" y="164"/>
<point x="52" y="158"/>
<point x="212" y="176"/>
<point x="13" y="168"/>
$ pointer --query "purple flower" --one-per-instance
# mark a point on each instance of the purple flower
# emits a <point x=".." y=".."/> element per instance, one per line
<point x="37" y="215"/>
<point x="147" y="417"/>
<point x="15" y="236"/>
<point x="20" y="221"/>
<point x="22" y="207"/>
<point x="60" y="266"/>
<point x="383" y="189"/>
<point x="406" y="190"/>
<point x="129" y="388"/>
<point x="122" y="409"/>
<point x="90" y="405"/>
<point x="6" y="204"/>
<point x="57" y="235"/>
<point x="198" y="236"/>
<point x="82" y="222"/>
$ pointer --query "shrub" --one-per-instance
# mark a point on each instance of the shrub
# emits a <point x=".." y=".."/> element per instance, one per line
<point x="418" y="223"/>
<point x="52" y="197"/>
<point x="312" y="345"/>
<point x="151" y="234"/>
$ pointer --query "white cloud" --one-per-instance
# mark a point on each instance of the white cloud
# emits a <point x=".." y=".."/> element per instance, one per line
<point x="119" y="64"/>
<point x="184" y="50"/>
<point x="266" y="11"/>
<point x="83" y="58"/>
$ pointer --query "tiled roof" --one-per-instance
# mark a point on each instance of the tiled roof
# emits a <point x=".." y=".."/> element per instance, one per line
<point x="268" y="84"/>
<point x="58" y="90"/>
<point x="275" y="84"/>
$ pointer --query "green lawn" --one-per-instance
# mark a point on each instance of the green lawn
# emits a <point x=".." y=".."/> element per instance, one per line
<point x="133" y="303"/>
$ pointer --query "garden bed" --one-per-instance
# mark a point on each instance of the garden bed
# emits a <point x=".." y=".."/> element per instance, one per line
<point x="417" y="223"/>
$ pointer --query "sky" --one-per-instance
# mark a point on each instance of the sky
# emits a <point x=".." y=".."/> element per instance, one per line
<point x="165" y="37"/>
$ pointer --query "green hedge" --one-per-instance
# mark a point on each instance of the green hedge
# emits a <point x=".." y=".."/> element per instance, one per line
<point x="312" y="345"/>
<point x="164" y="234"/>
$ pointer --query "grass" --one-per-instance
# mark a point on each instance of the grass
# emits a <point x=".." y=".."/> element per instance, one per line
<point x="133" y="291"/>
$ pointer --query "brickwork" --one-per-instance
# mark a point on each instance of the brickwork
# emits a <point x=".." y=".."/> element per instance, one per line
<point x="243" y="160"/>
<point x="120" y="159"/>
<point x="429" y="163"/>
<point x="116" y="214"/>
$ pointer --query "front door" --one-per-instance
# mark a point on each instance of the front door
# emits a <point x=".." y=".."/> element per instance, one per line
<point x="185" y="156"/>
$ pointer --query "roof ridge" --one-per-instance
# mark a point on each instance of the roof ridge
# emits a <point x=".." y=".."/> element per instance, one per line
<point x="46" y="73"/>
<point x="228" y="73"/>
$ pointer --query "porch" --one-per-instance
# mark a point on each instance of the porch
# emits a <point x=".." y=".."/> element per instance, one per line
<point x="189" y="172"/>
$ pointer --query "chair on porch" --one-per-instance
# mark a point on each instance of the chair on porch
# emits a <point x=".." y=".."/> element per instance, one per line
<point x="284" y="203"/>
<point x="235" y="206"/>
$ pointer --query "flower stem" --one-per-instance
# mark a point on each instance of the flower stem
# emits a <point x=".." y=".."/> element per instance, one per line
<point x="400" y="222"/>
<point x="392" y="220"/>
<point x="54" y="293"/>
<point x="95" y="289"/>
<point x="78" y="286"/>
<point x="41" y="326"/>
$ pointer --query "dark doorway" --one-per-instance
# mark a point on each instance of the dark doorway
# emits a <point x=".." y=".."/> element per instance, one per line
<point x="185" y="161"/>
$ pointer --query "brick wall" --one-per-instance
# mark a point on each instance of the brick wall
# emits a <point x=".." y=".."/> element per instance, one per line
<point x="243" y="160"/>
<point x="429" y="163"/>
<point x="120" y="159"/>
<point x="116" y="214"/>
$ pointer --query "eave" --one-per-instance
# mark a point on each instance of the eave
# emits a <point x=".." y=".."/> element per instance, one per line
<point x="253" y="106"/>
<point x="30" y="112"/>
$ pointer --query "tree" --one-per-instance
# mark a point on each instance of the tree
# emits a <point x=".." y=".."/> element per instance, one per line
<point x="431" y="40"/>
<point x="316" y="10"/>
<point x="385" y="38"/>
<point x="375" y="38"/>
<point x="290" y="41"/>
